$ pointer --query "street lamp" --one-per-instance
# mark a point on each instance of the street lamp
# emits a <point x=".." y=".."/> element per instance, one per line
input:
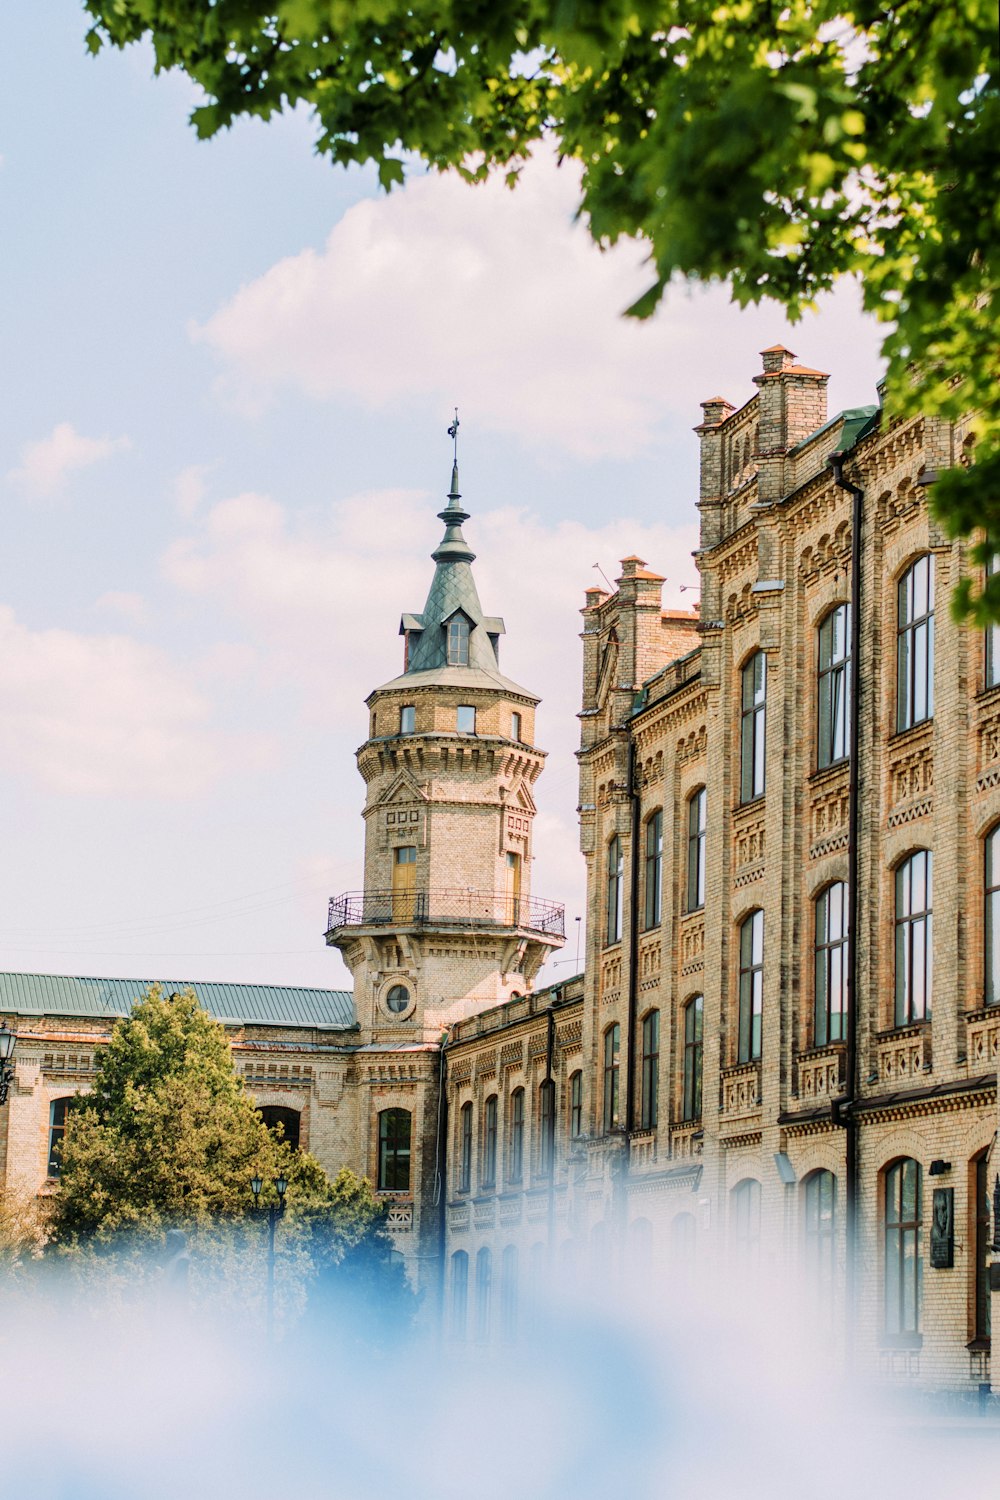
<point x="8" y="1041"/>
<point x="274" y="1213"/>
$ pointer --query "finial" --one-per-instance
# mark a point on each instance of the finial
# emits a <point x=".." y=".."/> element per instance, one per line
<point x="453" y="434"/>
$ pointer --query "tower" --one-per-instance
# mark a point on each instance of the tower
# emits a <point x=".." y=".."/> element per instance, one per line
<point x="446" y="923"/>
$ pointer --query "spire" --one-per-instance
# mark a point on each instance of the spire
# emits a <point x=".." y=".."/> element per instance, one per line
<point x="452" y="591"/>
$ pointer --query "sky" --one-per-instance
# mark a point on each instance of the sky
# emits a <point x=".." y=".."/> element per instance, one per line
<point x="230" y="369"/>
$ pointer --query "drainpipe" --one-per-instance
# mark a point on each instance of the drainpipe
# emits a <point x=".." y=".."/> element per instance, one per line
<point x="550" y="1144"/>
<point x="441" y="1175"/>
<point x="845" y="1105"/>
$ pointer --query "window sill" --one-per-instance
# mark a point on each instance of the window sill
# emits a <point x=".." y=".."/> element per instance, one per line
<point x="912" y="731"/>
<point x="829" y="773"/>
<point x="979" y="1345"/>
<point x="751" y="802"/>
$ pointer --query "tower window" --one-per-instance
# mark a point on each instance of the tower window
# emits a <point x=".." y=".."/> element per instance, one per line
<point x="407" y="719"/>
<point x="394" y="1151"/>
<point x="465" y="719"/>
<point x="458" y="641"/>
<point x="515" y="727"/>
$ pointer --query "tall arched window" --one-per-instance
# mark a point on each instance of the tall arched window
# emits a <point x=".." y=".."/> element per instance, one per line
<point x="904" y="1266"/>
<point x="649" y="1104"/>
<point x="831" y="965"/>
<point x="394" y="1151"/>
<point x="515" y="1139"/>
<point x="612" y="1045"/>
<point x="465" y="1148"/>
<point x="833" y="718"/>
<point x="819" y="1204"/>
<point x="615" y="891"/>
<point x="484" y="1294"/>
<point x="753" y="742"/>
<point x="459" y="1293"/>
<point x="546" y="1126"/>
<point x="914" y="966"/>
<point x="508" y="1294"/>
<point x="751" y="987"/>
<point x="488" y="1172"/>
<point x="915" y="644"/>
<point x="575" y="1105"/>
<point x="697" y="805"/>
<point x="653" y="872"/>
<point x="745" y="1221"/>
<point x="458" y="640"/>
<point x="991" y="926"/>
<point x="693" y="1026"/>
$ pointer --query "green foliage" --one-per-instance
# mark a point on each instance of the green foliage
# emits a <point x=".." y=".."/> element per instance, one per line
<point x="776" y="146"/>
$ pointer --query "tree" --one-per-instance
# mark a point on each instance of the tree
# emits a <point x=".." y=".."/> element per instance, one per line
<point x="778" y="146"/>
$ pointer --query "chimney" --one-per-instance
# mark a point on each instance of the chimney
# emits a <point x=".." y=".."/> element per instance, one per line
<point x="792" y="406"/>
<point x="715" y="411"/>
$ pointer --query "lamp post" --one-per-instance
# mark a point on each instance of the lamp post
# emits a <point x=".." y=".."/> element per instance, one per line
<point x="8" y="1041"/>
<point x="274" y="1213"/>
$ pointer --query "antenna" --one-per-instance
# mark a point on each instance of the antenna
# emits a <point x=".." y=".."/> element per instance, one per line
<point x="604" y="575"/>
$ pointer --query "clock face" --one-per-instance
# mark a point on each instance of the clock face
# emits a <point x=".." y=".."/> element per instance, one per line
<point x="398" y="999"/>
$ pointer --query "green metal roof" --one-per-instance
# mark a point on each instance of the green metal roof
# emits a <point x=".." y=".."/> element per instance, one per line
<point x="239" y="1004"/>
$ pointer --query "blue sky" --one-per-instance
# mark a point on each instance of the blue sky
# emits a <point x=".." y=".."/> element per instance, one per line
<point x="230" y="369"/>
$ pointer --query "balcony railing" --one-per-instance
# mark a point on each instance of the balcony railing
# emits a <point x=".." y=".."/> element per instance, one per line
<point x="446" y="908"/>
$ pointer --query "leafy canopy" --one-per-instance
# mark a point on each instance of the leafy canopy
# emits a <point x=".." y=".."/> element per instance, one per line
<point x="778" y="146"/>
<point x="169" y="1136"/>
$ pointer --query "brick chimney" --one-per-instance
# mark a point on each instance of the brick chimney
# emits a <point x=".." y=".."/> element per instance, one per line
<point x="715" y="411"/>
<point x="792" y="406"/>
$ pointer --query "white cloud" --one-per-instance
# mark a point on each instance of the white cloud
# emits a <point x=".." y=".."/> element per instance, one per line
<point x="103" y="715"/>
<point x="46" y="465"/>
<point x="500" y="300"/>
<point x="190" y="488"/>
<point x="131" y="607"/>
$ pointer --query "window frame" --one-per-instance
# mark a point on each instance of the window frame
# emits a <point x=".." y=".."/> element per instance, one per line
<point x="991" y="917"/>
<point x="649" y="1085"/>
<point x="819" y="1232"/>
<point x="833" y="689"/>
<point x="915" y="644"/>
<point x="408" y="718"/>
<point x="902" y="1305"/>
<point x="392" y="1153"/>
<point x="468" y="709"/>
<point x="57" y="1129"/>
<point x="913" y="927"/>
<point x="546" y="1127"/>
<point x="751" y="988"/>
<point x="614" y="891"/>
<point x="458" y="639"/>
<point x="697" y="830"/>
<point x="465" y="1135"/>
<point x="610" y="1091"/>
<point x="459" y="1294"/>
<point x="831" y="966"/>
<point x="575" y="1113"/>
<point x="753" y="727"/>
<point x="694" y="1057"/>
<point x="991" y="636"/>
<point x="488" y="1159"/>
<point x="652" y="883"/>
<point x="515" y="1137"/>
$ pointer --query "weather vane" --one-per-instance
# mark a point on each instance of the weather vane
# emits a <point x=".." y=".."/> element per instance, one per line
<point x="453" y="433"/>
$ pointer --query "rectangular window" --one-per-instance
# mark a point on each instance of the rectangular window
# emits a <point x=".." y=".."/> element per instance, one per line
<point x="751" y="987"/>
<point x="697" y="806"/>
<point x="458" y="641"/>
<point x="992" y="632"/>
<point x="612" y="1043"/>
<point x="915" y="644"/>
<point x="831" y="977"/>
<point x="515" y="727"/>
<point x="546" y="1124"/>
<point x="394" y="1151"/>
<point x="650" y="1071"/>
<point x="904" y="1264"/>
<point x="465" y="719"/>
<point x="58" y="1110"/>
<point x="694" y="1013"/>
<point x="488" y="1175"/>
<point x="465" y="1149"/>
<point x="653" y="870"/>
<point x="614" y="891"/>
<point x="753" y="742"/>
<point x="833" y="688"/>
<point x="576" y="1106"/>
<point x="407" y="719"/>
<point x="515" y="1150"/>
<point x="914" y="954"/>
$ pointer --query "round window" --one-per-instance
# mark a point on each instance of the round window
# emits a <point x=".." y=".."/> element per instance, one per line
<point x="398" y="998"/>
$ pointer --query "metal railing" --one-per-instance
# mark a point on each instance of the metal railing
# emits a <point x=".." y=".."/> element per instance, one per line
<point x="444" y="908"/>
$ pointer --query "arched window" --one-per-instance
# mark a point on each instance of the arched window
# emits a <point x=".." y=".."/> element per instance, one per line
<point x="394" y="1151"/>
<point x="914" y="965"/>
<point x="831" y="965"/>
<point x="697" y="805"/>
<point x="488" y="1168"/>
<point x="819" y="1207"/>
<point x="615" y="889"/>
<point x="915" y="644"/>
<point x="459" y="1293"/>
<point x="752" y="732"/>
<point x="465" y="1148"/>
<point x="904" y="1267"/>
<point x="653" y="873"/>
<point x="649" y="1105"/>
<point x="833" y="726"/>
<point x="992" y="633"/>
<point x="484" y="1294"/>
<point x="751" y="987"/>
<point x="515" y="1138"/>
<point x="546" y="1126"/>
<point x="745" y="1221"/>
<point x="458" y="640"/>
<point x="58" y="1110"/>
<point x="508" y="1294"/>
<point x="286" y="1123"/>
<point x="575" y="1105"/>
<point x="991" y="925"/>
<point x="612" y="1045"/>
<point x="693" y="1026"/>
<point x="979" y="1186"/>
